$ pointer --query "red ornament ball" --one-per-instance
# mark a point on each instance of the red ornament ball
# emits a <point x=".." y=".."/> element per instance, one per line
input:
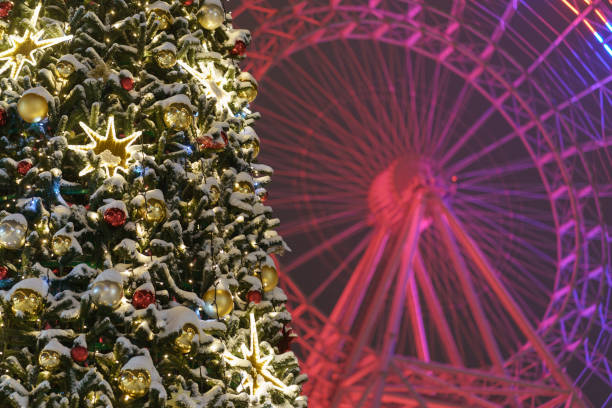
<point x="23" y="167"/>
<point x="115" y="217"/>
<point x="3" y="272"/>
<point x="142" y="299"/>
<point x="239" y="48"/>
<point x="3" y="117"/>
<point x="188" y="2"/>
<point x="254" y="296"/>
<point x="127" y="83"/>
<point x="79" y="354"/>
<point x="5" y="8"/>
<point x="208" y="143"/>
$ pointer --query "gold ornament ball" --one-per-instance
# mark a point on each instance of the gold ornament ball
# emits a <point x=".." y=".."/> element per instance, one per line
<point x="134" y="383"/>
<point x="269" y="277"/>
<point x="64" y="69"/>
<point x="13" y="232"/>
<point x="165" y="59"/>
<point x="253" y="146"/>
<point x="178" y="116"/>
<point x="49" y="360"/>
<point x="184" y="341"/>
<point x="163" y="17"/>
<point x="155" y="211"/>
<point x="215" y="194"/>
<point x="61" y="244"/>
<point x="247" y="88"/>
<point x="211" y="15"/>
<point x="244" y="187"/>
<point x="28" y="302"/>
<point x="219" y="302"/>
<point x="107" y="293"/>
<point x="32" y="107"/>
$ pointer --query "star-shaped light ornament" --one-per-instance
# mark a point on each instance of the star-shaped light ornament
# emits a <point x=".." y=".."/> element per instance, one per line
<point x="260" y="366"/>
<point x="114" y="153"/>
<point x="23" y="48"/>
<point x="213" y="85"/>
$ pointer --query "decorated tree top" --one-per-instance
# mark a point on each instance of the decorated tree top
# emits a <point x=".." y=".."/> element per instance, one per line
<point x="137" y="260"/>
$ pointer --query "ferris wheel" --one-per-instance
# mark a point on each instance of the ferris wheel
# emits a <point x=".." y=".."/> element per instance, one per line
<point x="444" y="173"/>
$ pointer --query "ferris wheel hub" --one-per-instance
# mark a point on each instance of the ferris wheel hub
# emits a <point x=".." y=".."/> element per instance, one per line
<point x="408" y="177"/>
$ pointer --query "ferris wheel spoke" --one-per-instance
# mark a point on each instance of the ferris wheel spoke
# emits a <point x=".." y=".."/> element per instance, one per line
<point x="469" y="291"/>
<point x="405" y="277"/>
<point x="506" y="299"/>
<point x="333" y="146"/>
<point x="407" y="237"/>
<point x="450" y="153"/>
<point x="462" y="164"/>
<point x="321" y="222"/>
<point x="435" y="307"/>
<point x="458" y="107"/>
<point x="323" y="246"/>
<point x="332" y="124"/>
<point x="398" y="121"/>
<point x="358" y="249"/>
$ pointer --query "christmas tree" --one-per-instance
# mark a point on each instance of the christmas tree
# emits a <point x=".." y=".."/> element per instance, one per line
<point x="136" y="249"/>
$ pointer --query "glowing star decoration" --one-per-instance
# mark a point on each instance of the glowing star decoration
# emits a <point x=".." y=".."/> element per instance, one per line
<point x="260" y="366"/>
<point x="114" y="153"/>
<point x="213" y="85"/>
<point x="23" y="48"/>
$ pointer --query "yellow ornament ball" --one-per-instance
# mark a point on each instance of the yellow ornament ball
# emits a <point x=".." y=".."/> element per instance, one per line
<point x="247" y="87"/>
<point x="61" y="244"/>
<point x="214" y="194"/>
<point x="219" y="302"/>
<point x="134" y="383"/>
<point x="165" y="59"/>
<point x="49" y="360"/>
<point x="269" y="277"/>
<point x="244" y="187"/>
<point x="155" y="211"/>
<point x="211" y="15"/>
<point x="253" y="146"/>
<point x="178" y="116"/>
<point x="64" y="69"/>
<point x="28" y="302"/>
<point x="33" y="107"/>
<point x="163" y="17"/>
<point x="184" y="341"/>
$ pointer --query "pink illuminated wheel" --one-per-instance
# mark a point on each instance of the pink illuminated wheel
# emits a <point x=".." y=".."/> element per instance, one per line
<point x="442" y="173"/>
